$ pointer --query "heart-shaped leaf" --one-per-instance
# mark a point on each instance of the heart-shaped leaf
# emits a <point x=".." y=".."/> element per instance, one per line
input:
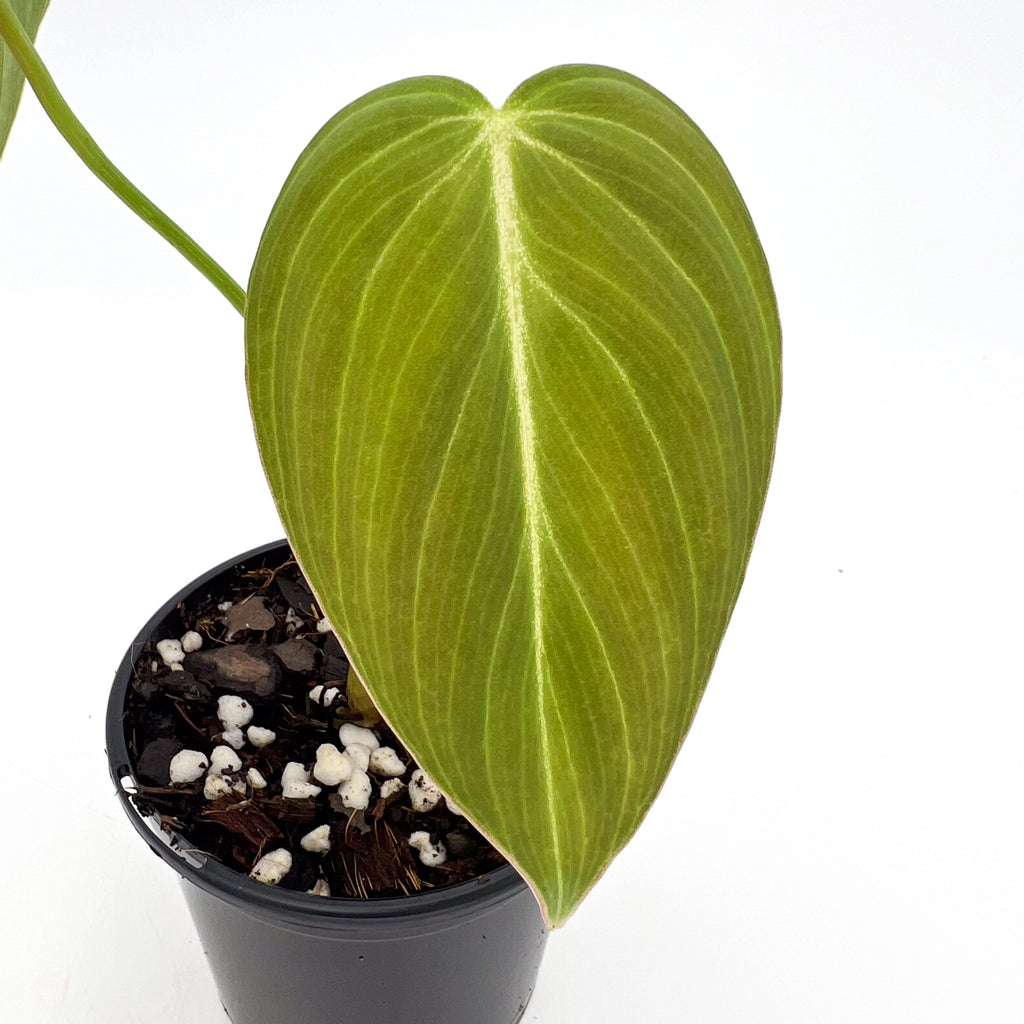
<point x="515" y="381"/>
<point x="30" y="14"/>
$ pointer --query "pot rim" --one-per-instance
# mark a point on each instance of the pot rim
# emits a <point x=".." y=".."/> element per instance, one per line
<point x="423" y="911"/>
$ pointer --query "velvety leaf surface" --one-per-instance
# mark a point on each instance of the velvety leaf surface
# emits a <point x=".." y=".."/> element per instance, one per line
<point x="30" y="13"/>
<point x="515" y="381"/>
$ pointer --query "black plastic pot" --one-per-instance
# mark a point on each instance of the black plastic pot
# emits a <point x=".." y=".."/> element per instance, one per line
<point x="467" y="954"/>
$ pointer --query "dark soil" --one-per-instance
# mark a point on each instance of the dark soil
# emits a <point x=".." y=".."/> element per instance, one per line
<point x="266" y="648"/>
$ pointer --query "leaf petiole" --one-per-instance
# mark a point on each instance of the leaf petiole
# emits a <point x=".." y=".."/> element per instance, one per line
<point x="96" y="160"/>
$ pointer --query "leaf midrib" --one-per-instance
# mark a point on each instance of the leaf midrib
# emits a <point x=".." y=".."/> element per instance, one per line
<point x="500" y="133"/>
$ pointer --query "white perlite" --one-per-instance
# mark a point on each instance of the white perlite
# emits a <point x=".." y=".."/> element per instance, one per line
<point x="359" y="755"/>
<point x="320" y="889"/>
<point x="431" y="854"/>
<point x="351" y="733"/>
<point x="224" y="759"/>
<point x="187" y="766"/>
<point x="332" y="767"/>
<point x="191" y="641"/>
<point x="216" y="786"/>
<point x="256" y="779"/>
<point x="272" y="867"/>
<point x="170" y="651"/>
<point x="323" y="626"/>
<point x="234" y="712"/>
<point x="295" y="784"/>
<point x="384" y="761"/>
<point x="454" y="809"/>
<point x="423" y="792"/>
<point x="233" y="738"/>
<point x="260" y="737"/>
<point x="317" y="841"/>
<point x="355" y="793"/>
<point x="390" y="787"/>
<point x="318" y="695"/>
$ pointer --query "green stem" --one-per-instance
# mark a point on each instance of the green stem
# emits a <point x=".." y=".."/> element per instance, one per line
<point x="95" y="159"/>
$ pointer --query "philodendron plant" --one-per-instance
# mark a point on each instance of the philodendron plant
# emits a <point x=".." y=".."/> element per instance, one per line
<point x="515" y="380"/>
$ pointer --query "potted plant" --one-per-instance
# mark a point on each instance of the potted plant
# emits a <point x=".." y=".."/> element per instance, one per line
<point x="514" y="375"/>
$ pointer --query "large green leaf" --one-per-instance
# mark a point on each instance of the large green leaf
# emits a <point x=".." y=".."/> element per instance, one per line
<point x="30" y="14"/>
<point x="515" y="381"/>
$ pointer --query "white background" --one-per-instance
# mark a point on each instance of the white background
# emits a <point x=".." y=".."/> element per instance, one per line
<point x="842" y="838"/>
